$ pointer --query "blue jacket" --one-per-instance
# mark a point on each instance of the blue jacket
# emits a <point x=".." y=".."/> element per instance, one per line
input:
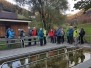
<point x="13" y="34"/>
<point x="40" y="34"/>
<point x="71" y="31"/>
<point x="10" y="35"/>
<point x="58" y="33"/>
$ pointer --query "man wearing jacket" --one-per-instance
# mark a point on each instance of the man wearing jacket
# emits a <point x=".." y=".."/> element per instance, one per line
<point x="58" y="33"/>
<point x="29" y="34"/>
<point x="71" y="31"/>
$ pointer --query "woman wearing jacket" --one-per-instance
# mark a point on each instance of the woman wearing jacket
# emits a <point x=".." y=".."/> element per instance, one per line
<point x="10" y="36"/>
<point x="34" y="33"/>
<point x="51" y="34"/>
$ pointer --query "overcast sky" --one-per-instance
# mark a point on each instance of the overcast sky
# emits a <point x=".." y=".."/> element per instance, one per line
<point x="69" y="11"/>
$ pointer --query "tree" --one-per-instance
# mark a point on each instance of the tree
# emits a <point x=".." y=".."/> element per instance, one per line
<point x="83" y="4"/>
<point x="44" y="8"/>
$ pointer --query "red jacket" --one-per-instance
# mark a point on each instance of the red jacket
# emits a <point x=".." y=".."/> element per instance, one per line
<point x="34" y="33"/>
<point x="51" y="33"/>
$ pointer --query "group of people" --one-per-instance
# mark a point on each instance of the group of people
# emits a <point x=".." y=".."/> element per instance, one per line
<point x="75" y="35"/>
<point x="41" y="35"/>
<point x="55" y="35"/>
<point x="72" y="34"/>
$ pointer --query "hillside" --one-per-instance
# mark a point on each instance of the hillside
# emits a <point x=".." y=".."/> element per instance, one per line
<point x="81" y="16"/>
<point x="8" y="7"/>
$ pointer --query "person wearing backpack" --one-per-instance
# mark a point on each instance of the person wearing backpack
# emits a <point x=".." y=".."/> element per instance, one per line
<point x="22" y="34"/>
<point x="29" y="34"/>
<point x="41" y="36"/>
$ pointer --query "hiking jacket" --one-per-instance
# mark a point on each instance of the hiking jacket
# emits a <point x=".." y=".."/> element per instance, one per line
<point x="71" y="31"/>
<point x="76" y="33"/>
<point x="10" y="35"/>
<point x="34" y="32"/>
<point x="67" y="33"/>
<point x="51" y="33"/>
<point x="40" y="34"/>
<point x="45" y="32"/>
<point x="29" y="32"/>
<point x="58" y="33"/>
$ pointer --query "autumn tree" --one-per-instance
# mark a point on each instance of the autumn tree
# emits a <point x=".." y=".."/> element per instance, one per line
<point x="46" y="8"/>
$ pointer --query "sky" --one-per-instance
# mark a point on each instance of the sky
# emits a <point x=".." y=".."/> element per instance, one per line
<point x="69" y="11"/>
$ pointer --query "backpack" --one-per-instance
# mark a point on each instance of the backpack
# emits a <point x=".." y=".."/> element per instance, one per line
<point x="41" y="34"/>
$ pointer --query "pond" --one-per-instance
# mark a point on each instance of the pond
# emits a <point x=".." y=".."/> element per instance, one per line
<point x="54" y="62"/>
<point x="87" y="57"/>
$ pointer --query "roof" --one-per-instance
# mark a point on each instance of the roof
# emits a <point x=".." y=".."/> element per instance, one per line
<point x="15" y="20"/>
<point x="8" y="15"/>
<point x="11" y="17"/>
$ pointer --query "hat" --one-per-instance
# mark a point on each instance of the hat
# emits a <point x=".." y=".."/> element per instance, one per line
<point x="28" y="27"/>
<point x="40" y="28"/>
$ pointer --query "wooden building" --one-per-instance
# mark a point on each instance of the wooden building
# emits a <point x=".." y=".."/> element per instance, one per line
<point x="10" y="20"/>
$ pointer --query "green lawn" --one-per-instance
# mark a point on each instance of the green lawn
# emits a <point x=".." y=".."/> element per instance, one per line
<point x="87" y="28"/>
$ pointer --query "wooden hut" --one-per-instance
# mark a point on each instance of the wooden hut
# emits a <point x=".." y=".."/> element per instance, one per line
<point x="10" y="20"/>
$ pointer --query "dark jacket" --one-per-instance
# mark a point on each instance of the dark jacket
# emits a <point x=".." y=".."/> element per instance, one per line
<point x="82" y="32"/>
<point x="29" y="32"/>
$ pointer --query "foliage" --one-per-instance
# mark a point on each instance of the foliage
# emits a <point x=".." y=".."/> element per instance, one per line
<point x="83" y="4"/>
<point x="7" y="6"/>
<point x="48" y="10"/>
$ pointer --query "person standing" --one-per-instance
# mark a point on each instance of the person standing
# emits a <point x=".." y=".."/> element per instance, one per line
<point x="67" y="35"/>
<point x="45" y="33"/>
<point x="22" y="35"/>
<point x="71" y="31"/>
<point x="51" y="34"/>
<point x="13" y="33"/>
<point x="7" y="34"/>
<point x="10" y="36"/>
<point x="34" y="33"/>
<point x="62" y="37"/>
<point x="55" y="36"/>
<point x="58" y="36"/>
<point x="75" y="35"/>
<point x="29" y="34"/>
<point x="41" y="36"/>
<point x="82" y="33"/>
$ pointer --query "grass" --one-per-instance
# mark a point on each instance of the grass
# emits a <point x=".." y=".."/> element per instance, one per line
<point x="21" y="17"/>
<point x="87" y="28"/>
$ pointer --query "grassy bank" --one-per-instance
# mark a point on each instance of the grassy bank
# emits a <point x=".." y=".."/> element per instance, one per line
<point x="87" y="28"/>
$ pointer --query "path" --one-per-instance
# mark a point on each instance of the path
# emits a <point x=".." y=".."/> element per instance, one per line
<point x="12" y="52"/>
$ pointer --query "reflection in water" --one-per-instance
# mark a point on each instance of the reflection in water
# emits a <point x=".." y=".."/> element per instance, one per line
<point x="84" y="57"/>
<point x="74" y="59"/>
